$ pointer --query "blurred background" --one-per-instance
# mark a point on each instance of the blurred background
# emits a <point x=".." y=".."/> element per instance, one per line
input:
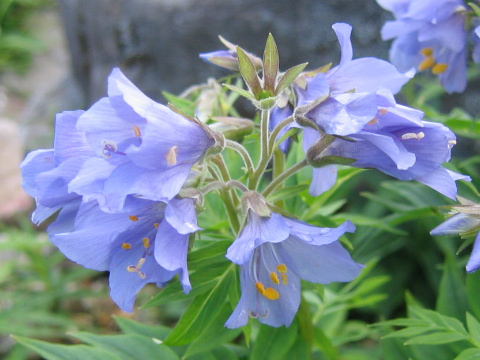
<point x="57" y="55"/>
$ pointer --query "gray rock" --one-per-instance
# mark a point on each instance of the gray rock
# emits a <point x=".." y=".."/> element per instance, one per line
<point x="157" y="42"/>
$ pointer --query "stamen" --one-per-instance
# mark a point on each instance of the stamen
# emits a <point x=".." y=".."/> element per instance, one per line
<point x="132" y="268"/>
<point x="426" y="64"/>
<point x="146" y="242"/>
<point x="373" y="121"/>
<point x="439" y="69"/>
<point x="137" y="132"/>
<point x="126" y="246"/>
<point x="418" y="136"/>
<point x="156" y="225"/>
<point x="265" y="315"/>
<point x="282" y="268"/>
<point x="172" y="156"/>
<point x="252" y="314"/>
<point x="274" y="277"/>
<point x="428" y="51"/>
<point x="140" y="263"/>
<point x="271" y="294"/>
<point x="383" y="111"/>
<point x="108" y="148"/>
<point x="260" y="288"/>
<point x="285" y="279"/>
<point x="133" y="217"/>
<point x="141" y="274"/>
<point x="451" y="143"/>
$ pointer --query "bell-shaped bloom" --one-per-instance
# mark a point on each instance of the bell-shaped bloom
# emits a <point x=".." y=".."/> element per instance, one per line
<point x="139" y="147"/>
<point x="461" y="223"/>
<point x="275" y="253"/>
<point x="429" y="35"/>
<point x="145" y="242"/>
<point x="351" y="88"/>
<point x="399" y="143"/>
<point x="47" y="172"/>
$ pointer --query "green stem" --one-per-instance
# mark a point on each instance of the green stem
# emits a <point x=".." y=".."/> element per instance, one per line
<point x="222" y="166"/>
<point x="243" y="152"/>
<point x="278" y="169"/>
<point x="283" y="176"/>
<point x="219" y="185"/>
<point x="276" y="131"/>
<point x="264" y="150"/>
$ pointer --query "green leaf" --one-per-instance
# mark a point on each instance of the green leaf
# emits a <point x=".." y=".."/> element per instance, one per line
<point x="129" y="326"/>
<point x="129" y="347"/>
<point x="201" y="311"/>
<point x="270" y="64"/>
<point x="452" y="299"/>
<point x="473" y="327"/>
<point x="216" y="333"/>
<point x="324" y="343"/>
<point x="288" y="192"/>
<point x="475" y="8"/>
<point x="469" y="354"/>
<point x="202" y="281"/>
<point x="289" y="76"/>
<point x="468" y="128"/>
<point x="437" y="338"/>
<point x="409" y="332"/>
<point x="299" y="351"/>
<point x="274" y="343"/>
<point x="367" y="221"/>
<point x="473" y="289"/>
<point x="249" y="73"/>
<point x="185" y="105"/>
<point x="240" y="91"/>
<point x="65" y="352"/>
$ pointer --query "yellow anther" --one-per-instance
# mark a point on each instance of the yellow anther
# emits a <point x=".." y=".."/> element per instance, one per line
<point x="156" y="225"/>
<point x="260" y="288"/>
<point x="172" y="155"/>
<point x="146" y="242"/>
<point x="274" y="277"/>
<point x="383" y="111"/>
<point x="140" y="263"/>
<point x="132" y="268"/>
<point x="252" y="314"/>
<point x="126" y="246"/>
<point x="427" y="63"/>
<point x="451" y="143"/>
<point x="282" y="268"/>
<point x="137" y="132"/>
<point x="285" y="279"/>
<point x="428" y="51"/>
<point x="439" y="69"/>
<point x="141" y="274"/>
<point x="373" y="121"/>
<point x="271" y="294"/>
<point x="133" y="218"/>
<point x="418" y="136"/>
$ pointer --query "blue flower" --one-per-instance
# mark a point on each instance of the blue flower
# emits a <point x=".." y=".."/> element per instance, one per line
<point x="275" y="253"/>
<point x="47" y="172"/>
<point x="465" y="223"/>
<point x="139" y="147"/>
<point x="146" y="242"/>
<point x="430" y="35"/>
<point x="397" y="142"/>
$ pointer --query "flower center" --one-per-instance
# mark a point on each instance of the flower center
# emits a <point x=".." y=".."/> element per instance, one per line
<point x="430" y="62"/>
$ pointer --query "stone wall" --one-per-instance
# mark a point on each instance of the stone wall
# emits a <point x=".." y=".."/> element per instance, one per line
<point x="157" y="42"/>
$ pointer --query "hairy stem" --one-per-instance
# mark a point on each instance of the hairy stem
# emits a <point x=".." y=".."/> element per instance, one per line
<point x="283" y="176"/>
<point x="243" y="153"/>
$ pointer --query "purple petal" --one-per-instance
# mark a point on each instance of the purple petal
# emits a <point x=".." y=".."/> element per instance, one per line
<point x="474" y="261"/>
<point x="323" y="179"/>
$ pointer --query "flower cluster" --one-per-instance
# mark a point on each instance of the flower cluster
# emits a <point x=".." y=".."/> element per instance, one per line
<point x="114" y="176"/>
<point x="431" y="36"/>
<point x="127" y="177"/>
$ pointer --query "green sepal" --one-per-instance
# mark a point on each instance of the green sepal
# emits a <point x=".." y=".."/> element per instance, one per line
<point x="248" y="72"/>
<point x="289" y="77"/>
<point x="240" y="91"/>
<point x="270" y="65"/>
<point x="475" y="8"/>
